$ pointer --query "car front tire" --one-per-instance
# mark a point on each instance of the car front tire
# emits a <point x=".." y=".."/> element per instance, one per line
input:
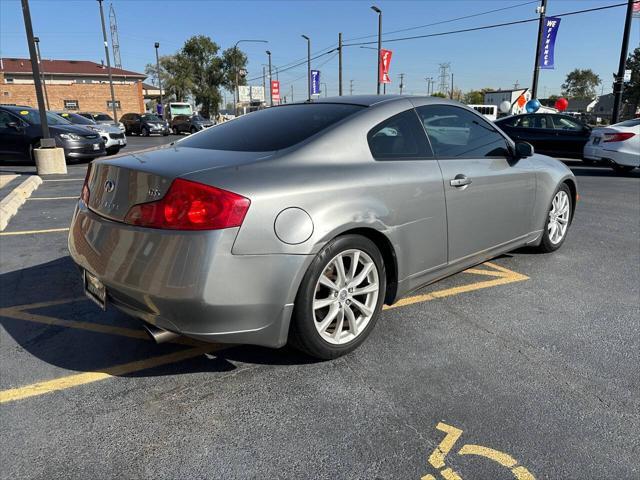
<point x="144" y="132"/>
<point x="339" y="299"/>
<point x="558" y="220"/>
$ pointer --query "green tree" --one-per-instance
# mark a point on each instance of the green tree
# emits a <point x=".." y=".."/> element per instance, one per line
<point x="233" y="60"/>
<point x="176" y="76"/>
<point x="439" y="94"/>
<point x="474" y="97"/>
<point x="580" y="84"/>
<point x="631" y="93"/>
<point x="201" y="54"/>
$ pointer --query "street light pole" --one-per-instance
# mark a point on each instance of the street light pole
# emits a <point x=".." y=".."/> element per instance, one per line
<point x="44" y="83"/>
<point x="106" y="52"/>
<point x="47" y="141"/>
<point x="542" y="9"/>
<point x="157" y="45"/>
<point x="270" y="79"/>
<point x="236" y="92"/>
<point x="308" y="67"/>
<point x="618" y="84"/>
<point x="379" y="12"/>
<point x="340" y="64"/>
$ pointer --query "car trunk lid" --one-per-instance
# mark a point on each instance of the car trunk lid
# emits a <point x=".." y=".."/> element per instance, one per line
<point x="117" y="184"/>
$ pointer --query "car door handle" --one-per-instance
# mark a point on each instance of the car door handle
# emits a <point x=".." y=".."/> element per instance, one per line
<point x="460" y="181"/>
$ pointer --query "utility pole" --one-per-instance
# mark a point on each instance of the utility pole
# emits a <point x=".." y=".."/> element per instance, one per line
<point x="264" y="83"/>
<point x="270" y="80"/>
<point x="115" y="39"/>
<point x="106" y="52"/>
<point x="428" y="79"/>
<point x="47" y="141"/>
<point x="325" y="89"/>
<point x="451" y="93"/>
<point x="44" y="83"/>
<point x="618" y="85"/>
<point x="350" y="87"/>
<point x="517" y="84"/>
<point x="292" y="93"/>
<point x="157" y="45"/>
<point x="308" y="66"/>
<point x="236" y="92"/>
<point x="401" y="82"/>
<point x="542" y="10"/>
<point x="379" y="12"/>
<point x="340" y="64"/>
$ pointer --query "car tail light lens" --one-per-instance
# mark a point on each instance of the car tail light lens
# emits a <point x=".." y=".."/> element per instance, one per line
<point x="84" y="195"/>
<point x="617" y="137"/>
<point x="191" y="206"/>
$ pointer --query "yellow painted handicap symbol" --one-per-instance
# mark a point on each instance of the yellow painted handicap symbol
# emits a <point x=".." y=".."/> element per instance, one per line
<point x="452" y="434"/>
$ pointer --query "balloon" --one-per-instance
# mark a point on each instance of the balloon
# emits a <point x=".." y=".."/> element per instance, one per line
<point x="521" y="101"/>
<point x="505" y="106"/>
<point x="562" y="104"/>
<point x="532" y="106"/>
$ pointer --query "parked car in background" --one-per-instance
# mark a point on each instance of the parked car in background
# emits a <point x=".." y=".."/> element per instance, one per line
<point x="21" y="131"/>
<point x="102" y="119"/>
<point x="113" y="138"/>
<point x="552" y="134"/>
<point x="617" y="145"/>
<point x="342" y="205"/>
<point x="144" y="124"/>
<point x="189" y="123"/>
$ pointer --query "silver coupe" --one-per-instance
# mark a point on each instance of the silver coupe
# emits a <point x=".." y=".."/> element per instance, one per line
<point x="296" y="223"/>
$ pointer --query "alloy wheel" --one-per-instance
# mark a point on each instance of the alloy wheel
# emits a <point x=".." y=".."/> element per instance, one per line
<point x="558" y="217"/>
<point x="345" y="297"/>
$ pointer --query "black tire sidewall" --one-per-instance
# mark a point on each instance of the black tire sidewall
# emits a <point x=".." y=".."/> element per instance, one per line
<point x="304" y="335"/>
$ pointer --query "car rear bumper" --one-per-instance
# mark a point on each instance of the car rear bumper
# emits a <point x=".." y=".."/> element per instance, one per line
<point x="617" y="157"/>
<point x="189" y="282"/>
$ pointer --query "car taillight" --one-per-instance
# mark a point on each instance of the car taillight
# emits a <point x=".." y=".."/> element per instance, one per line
<point x="84" y="195"/>
<point x="617" y="137"/>
<point x="190" y="205"/>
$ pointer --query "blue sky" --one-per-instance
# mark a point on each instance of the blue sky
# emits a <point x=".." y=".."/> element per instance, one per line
<point x="70" y="29"/>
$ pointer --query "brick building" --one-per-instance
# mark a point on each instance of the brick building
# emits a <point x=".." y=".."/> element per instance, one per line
<point x="71" y="85"/>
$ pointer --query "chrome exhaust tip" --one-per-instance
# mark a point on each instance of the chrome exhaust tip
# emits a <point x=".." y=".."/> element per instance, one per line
<point x="159" y="335"/>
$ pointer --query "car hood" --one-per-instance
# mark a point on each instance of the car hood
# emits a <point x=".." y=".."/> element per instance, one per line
<point x="77" y="129"/>
<point x="105" y="128"/>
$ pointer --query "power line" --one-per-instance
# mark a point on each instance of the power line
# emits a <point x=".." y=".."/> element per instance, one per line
<point x="486" y="27"/>
<point x="446" y="21"/>
<point x="296" y="65"/>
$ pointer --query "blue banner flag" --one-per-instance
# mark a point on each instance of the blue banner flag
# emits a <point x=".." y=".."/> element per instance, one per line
<point x="551" y="25"/>
<point x="315" y="82"/>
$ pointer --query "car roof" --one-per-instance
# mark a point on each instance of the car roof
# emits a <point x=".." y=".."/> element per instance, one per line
<point x="371" y="100"/>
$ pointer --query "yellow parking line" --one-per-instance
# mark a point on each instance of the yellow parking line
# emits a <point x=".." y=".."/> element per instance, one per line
<point x="63" y="383"/>
<point x="53" y="198"/>
<point x="137" y="333"/>
<point x="35" y="232"/>
<point x="505" y="277"/>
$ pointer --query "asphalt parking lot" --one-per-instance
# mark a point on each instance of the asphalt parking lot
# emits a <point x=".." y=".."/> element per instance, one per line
<point x="524" y="367"/>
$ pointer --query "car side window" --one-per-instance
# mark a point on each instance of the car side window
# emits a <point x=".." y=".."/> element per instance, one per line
<point x="6" y="119"/>
<point x="399" y="138"/>
<point x="564" y="123"/>
<point x="455" y="132"/>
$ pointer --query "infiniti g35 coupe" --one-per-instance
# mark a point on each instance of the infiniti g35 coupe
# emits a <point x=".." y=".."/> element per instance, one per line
<point x="295" y="224"/>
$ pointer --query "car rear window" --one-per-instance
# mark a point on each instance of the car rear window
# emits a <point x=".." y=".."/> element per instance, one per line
<point x="271" y="129"/>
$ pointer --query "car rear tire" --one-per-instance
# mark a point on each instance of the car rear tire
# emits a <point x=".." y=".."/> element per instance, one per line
<point x="622" y="168"/>
<point x="175" y="131"/>
<point x="339" y="299"/>
<point x="558" y="220"/>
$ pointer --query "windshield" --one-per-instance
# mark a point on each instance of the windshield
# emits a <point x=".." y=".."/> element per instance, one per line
<point x="151" y="118"/>
<point x="273" y="128"/>
<point x="198" y="118"/>
<point x="77" y="119"/>
<point x="634" y="122"/>
<point x="33" y="117"/>
<point x="101" y="117"/>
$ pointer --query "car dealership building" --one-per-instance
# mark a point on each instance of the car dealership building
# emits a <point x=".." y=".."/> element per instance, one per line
<point x="73" y="85"/>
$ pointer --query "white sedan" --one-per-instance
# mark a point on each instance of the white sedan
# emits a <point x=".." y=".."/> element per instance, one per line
<point x="616" y="145"/>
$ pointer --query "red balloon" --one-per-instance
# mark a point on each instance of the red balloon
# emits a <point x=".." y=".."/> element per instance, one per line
<point x="562" y="104"/>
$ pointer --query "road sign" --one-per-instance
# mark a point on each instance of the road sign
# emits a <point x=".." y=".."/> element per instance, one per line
<point x="627" y="76"/>
<point x="275" y="91"/>
<point x="250" y="93"/>
<point x="315" y="82"/>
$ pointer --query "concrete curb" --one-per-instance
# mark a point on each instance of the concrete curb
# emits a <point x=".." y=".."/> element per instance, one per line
<point x="10" y="204"/>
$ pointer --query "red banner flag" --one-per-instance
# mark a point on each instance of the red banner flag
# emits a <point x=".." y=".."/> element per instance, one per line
<point x="275" y="91"/>
<point x="385" y="62"/>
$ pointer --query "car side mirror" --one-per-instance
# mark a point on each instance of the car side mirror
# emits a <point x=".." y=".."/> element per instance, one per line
<point x="524" y="150"/>
<point x="15" y="125"/>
